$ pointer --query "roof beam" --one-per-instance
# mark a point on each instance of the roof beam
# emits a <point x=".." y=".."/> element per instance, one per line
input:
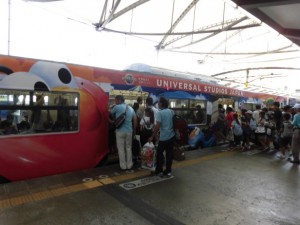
<point x="181" y="16"/>
<point x="112" y="16"/>
<point x="256" y="68"/>
<point x="102" y="23"/>
<point x="208" y="27"/>
<point x="228" y="27"/>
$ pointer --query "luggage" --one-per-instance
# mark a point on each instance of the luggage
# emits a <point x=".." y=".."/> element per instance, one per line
<point x="179" y="152"/>
<point x="196" y="138"/>
<point x="148" y="156"/>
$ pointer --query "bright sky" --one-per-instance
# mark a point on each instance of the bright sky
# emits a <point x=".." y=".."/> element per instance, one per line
<point x="63" y="31"/>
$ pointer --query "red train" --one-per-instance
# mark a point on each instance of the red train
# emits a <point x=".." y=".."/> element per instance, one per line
<point x="54" y="116"/>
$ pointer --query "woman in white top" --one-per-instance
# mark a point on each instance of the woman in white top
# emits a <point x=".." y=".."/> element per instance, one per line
<point x="146" y="126"/>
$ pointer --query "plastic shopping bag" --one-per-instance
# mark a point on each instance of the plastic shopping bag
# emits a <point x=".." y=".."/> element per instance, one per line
<point x="148" y="156"/>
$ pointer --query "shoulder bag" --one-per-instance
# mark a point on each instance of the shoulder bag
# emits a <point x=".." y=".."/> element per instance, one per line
<point x="121" y="119"/>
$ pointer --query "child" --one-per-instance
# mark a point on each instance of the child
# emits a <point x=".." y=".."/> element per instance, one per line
<point x="286" y="135"/>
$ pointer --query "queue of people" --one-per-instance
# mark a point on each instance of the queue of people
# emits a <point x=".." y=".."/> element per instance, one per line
<point x="153" y="126"/>
<point x="268" y="129"/>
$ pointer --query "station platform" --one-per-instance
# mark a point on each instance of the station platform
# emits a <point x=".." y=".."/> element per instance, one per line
<point x="212" y="186"/>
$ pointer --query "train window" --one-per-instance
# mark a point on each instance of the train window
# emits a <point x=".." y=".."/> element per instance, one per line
<point x="249" y="106"/>
<point x="193" y="110"/>
<point x="28" y="112"/>
<point x="130" y="96"/>
<point x="179" y="103"/>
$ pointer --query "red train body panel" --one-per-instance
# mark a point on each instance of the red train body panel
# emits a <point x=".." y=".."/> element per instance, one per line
<point x="35" y="155"/>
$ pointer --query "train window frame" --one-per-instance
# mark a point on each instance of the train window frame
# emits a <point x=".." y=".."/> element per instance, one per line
<point x="188" y="109"/>
<point x="130" y="96"/>
<point x="15" y="110"/>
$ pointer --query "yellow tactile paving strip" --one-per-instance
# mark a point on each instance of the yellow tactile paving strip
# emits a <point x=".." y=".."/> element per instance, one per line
<point x="34" y="197"/>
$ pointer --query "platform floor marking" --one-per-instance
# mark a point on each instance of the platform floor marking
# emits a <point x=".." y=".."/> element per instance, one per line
<point x="42" y="195"/>
<point x="60" y="191"/>
<point x="5" y="204"/>
<point x="106" y="181"/>
<point x="144" y="209"/>
<point x="143" y="182"/>
<point x="252" y="152"/>
<point x="20" y="200"/>
<point x="203" y="158"/>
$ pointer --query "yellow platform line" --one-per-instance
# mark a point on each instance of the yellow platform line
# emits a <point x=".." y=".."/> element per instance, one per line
<point x="202" y="158"/>
<point x="42" y="195"/>
<point x="5" y="204"/>
<point x="38" y="196"/>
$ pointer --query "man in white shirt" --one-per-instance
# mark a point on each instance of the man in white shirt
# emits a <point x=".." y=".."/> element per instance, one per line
<point x="256" y="112"/>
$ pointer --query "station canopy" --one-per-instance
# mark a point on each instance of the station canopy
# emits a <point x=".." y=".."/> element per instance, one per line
<point x="218" y="38"/>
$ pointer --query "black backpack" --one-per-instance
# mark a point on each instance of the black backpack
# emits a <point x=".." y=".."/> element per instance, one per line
<point x="180" y="127"/>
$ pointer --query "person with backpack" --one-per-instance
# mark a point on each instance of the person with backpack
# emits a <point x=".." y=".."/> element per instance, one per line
<point x="146" y="126"/>
<point x="124" y="132"/>
<point x="164" y="125"/>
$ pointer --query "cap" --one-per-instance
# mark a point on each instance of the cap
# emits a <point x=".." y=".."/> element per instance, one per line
<point x="249" y="111"/>
<point x="297" y="106"/>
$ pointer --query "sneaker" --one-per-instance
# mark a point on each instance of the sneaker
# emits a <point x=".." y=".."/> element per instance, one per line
<point x="166" y="175"/>
<point x="155" y="173"/>
<point x="161" y="174"/>
<point x="130" y="171"/>
<point x="281" y="156"/>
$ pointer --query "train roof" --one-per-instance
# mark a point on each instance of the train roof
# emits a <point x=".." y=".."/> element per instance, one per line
<point x="144" y="68"/>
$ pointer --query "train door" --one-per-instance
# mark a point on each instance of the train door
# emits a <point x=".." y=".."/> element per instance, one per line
<point x="227" y="102"/>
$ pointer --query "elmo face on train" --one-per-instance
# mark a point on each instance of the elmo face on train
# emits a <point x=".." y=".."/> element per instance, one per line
<point x="52" y="122"/>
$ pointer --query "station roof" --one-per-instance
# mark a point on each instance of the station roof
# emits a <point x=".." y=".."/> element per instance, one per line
<point x="250" y="45"/>
<point x="281" y="15"/>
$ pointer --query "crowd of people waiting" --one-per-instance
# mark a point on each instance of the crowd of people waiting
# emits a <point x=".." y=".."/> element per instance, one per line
<point x="268" y="129"/>
<point x="151" y="125"/>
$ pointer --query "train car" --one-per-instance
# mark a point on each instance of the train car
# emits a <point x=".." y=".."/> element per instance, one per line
<point x="75" y="101"/>
<point x="51" y="121"/>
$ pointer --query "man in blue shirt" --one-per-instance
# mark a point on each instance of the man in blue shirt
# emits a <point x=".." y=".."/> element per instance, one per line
<point x="125" y="132"/>
<point x="164" y="124"/>
<point x="296" y="135"/>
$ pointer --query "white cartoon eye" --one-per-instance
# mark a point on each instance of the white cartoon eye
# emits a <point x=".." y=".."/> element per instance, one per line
<point x="24" y="80"/>
<point x="54" y="74"/>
